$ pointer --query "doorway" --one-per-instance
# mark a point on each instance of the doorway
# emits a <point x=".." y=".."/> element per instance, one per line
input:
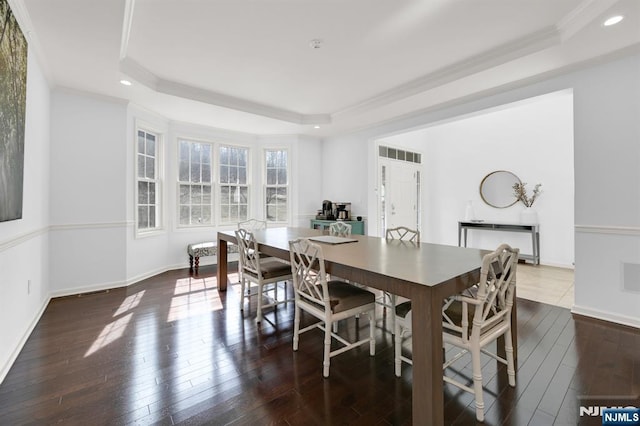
<point x="399" y="182"/>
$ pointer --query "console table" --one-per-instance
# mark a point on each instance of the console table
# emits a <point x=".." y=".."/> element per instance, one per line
<point x="533" y="229"/>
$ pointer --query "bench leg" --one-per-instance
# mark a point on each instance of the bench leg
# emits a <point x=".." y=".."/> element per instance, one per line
<point x="197" y="263"/>
<point x="190" y="263"/>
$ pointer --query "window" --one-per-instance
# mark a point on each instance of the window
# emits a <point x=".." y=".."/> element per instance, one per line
<point x="234" y="190"/>
<point x="194" y="183"/>
<point x="148" y="183"/>
<point x="277" y="190"/>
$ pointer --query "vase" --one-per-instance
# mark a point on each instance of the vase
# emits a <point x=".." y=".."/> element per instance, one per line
<point x="529" y="215"/>
<point x="469" y="214"/>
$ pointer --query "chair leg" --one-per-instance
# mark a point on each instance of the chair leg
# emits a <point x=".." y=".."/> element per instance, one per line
<point x="259" y="308"/>
<point x="296" y="328"/>
<point x="477" y="382"/>
<point x="327" y="349"/>
<point x="394" y="298"/>
<point x="242" y="289"/>
<point x="398" y="349"/>
<point x="372" y="326"/>
<point x="334" y="327"/>
<point x="508" y="348"/>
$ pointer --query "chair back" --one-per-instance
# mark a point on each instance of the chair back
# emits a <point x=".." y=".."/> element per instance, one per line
<point x="252" y="224"/>
<point x="340" y="229"/>
<point x="309" y="276"/>
<point x="403" y="233"/>
<point x="493" y="296"/>
<point x="248" y="249"/>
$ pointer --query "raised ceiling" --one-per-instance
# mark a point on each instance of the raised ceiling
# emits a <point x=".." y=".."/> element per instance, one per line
<point x="247" y="65"/>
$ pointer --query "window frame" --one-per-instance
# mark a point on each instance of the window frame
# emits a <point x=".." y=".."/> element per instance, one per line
<point x="266" y="185"/>
<point x="157" y="180"/>
<point x="220" y="184"/>
<point x="212" y="184"/>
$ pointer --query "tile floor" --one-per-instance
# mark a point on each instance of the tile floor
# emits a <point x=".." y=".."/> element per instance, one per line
<point x="546" y="284"/>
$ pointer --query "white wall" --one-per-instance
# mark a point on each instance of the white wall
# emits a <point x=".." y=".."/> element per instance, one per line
<point x="88" y="192"/>
<point x="531" y="138"/>
<point x="606" y="163"/>
<point x="24" y="243"/>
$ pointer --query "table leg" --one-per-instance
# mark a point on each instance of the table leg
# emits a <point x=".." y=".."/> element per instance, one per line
<point x="428" y="392"/>
<point x="222" y="265"/>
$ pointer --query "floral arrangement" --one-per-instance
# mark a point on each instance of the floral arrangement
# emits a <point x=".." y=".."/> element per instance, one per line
<point x="520" y="192"/>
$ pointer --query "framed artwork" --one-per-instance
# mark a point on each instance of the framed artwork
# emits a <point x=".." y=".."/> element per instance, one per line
<point x="13" y="96"/>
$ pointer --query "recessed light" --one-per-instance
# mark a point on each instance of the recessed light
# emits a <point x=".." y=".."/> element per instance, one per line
<point x="316" y="127"/>
<point x="125" y="82"/>
<point x="316" y="43"/>
<point x="613" y="20"/>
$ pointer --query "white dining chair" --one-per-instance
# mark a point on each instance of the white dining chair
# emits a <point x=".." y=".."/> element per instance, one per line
<point x="473" y="320"/>
<point x="328" y="301"/>
<point x="259" y="270"/>
<point x="340" y="229"/>
<point x="389" y="300"/>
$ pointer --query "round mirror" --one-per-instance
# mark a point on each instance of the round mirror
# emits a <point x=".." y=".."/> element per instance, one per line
<point x="496" y="189"/>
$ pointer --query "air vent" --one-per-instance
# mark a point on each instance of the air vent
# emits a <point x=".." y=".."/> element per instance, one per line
<point x="400" y="154"/>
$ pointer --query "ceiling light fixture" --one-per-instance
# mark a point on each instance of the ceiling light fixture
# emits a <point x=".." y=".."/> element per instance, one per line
<point x="125" y="82"/>
<point x="316" y="127"/>
<point x="613" y="20"/>
<point x="316" y="43"/>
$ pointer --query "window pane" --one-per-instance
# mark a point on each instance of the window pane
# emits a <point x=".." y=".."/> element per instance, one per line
<point x="150" y="165"/>
<point x="224" y="155"/>
<point x="143" y="193"/>
<point x="244" y="194"/>
<point x="282" y="194"/>
<point x="282" y="176"/>
<point x="271" y="176"/>
<point x="141" y="169"/>
<point x="243" y="214"/>
<point x="233" y="174"/>
<point x="271" y="158"/>
<point x="206" y="173"/>
<point x="242" y="175"/>
<point x="152" y="217"/>
<point x="206" y="214"/>
<point x="242" y="157"/>
<point x="184" y="194"/>
<point x="196" y="194"/>
<point x="183" y="174"/>
<point x="206" y="154"/>
<point x="184" y="215"/>
<point x="224" y="213"/>
<point x="282" y="159"/>
<point x="224" y="195"/>
<point x="141" y="146"/>
<point x="224" y="174"/>
<point x="152" y="193"/>
<point x="151" y="144"/>
<point x="184" y="150"/>
<point x="196" y="215"/>
<point x="233" y="156"/>
<point x="143" y="219"/>
<point x="195" y="172"/>
<point x="233" y="213"/>
<point x="206" y="195"/>
<point x="271" y="195"/>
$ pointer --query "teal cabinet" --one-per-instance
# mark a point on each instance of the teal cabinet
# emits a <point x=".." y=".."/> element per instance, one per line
<point x="357" y="226"/>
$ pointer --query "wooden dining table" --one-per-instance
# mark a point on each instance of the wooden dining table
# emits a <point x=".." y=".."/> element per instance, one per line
<point x="424" y="273"/>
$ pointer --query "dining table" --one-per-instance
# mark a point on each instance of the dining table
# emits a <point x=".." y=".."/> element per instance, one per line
<point x="425" y="273"/>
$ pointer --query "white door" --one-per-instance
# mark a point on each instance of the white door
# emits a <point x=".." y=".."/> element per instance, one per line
<point x="400" y="194"/>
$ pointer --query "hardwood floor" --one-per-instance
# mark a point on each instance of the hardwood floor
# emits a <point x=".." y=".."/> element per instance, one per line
<point x="172" y="350"/>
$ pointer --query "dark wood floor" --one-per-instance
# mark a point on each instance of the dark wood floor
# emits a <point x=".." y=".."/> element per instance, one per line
<point x="172" y="350"/>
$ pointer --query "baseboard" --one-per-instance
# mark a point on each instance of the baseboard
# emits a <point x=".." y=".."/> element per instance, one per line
<point x="606" y="316"/>
<point x="14" y="355"/>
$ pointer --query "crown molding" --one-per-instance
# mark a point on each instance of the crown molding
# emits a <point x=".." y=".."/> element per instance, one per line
<point x="553" y="35"/>
<point x="21" y="14"/>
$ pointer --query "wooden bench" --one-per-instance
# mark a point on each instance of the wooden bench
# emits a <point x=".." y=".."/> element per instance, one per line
<point x="206" y="248"/>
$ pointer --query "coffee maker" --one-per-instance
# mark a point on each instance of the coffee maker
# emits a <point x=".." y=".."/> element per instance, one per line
<point x="343" y="211"/>
<point x="327" y="210"/>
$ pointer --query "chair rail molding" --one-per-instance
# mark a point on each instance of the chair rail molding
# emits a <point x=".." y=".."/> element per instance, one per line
<point x="606" y="229"/>
<point x="22" y="238"/>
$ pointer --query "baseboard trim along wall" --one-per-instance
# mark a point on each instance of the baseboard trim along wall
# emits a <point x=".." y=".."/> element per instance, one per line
<point x="600" y="229"/>
<point x="606" y="316"/>
<point x="16" y="351"/>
